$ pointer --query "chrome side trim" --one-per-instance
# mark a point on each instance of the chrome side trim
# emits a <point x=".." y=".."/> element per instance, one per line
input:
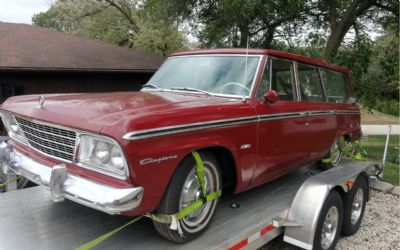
<point x="154" y="132"/>
<point x="146" y="133"/>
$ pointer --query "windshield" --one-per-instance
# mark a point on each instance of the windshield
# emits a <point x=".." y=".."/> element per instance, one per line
<point x="213" y="74"/>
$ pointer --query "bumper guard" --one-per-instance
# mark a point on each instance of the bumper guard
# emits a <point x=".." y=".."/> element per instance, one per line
<point x="66" y="185"/>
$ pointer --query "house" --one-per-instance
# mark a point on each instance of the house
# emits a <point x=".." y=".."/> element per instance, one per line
<point x="36" y="60"/>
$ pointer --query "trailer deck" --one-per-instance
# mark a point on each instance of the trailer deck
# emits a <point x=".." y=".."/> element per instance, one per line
<point x="30" y="219"/>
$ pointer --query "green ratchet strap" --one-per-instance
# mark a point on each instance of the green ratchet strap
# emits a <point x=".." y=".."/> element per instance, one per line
<point x="169" y="219"/>
<point x="329" y="159"/>
<point x="200" y="171"/>
<point x="163" y="218"/>
<point x="332" y="156"/>
<point x="102" y="238"/>
<point x="10" y="181"/>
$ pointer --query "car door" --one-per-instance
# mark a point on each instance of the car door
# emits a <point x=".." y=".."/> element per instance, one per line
<point x="281" y="127"/>
<point x="322" y="123"/>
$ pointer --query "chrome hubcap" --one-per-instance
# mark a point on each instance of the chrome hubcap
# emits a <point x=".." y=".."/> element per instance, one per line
<point x="192" y="192"/>
<point x="336" y="152"/>
<point x="329" y="227"/>
<point x="356" y="208"/>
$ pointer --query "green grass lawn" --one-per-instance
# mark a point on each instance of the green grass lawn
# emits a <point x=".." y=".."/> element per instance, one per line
<point x="374" y="145"/>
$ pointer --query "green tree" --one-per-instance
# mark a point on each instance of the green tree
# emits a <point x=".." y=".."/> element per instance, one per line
<point x="130" y="23"/>
<point x="339" y="16"/>
<point x="228" y="23"/>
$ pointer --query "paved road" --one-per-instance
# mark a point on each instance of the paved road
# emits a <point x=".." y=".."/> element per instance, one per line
<point x="380" y="129"/>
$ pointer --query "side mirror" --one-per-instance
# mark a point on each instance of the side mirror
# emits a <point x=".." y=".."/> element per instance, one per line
<point x="271" y="97"/>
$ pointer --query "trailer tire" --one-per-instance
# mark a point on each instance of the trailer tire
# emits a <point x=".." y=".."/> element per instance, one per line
<point x="181" y="189"/>
<point x="354" y="204"/>
<point x="329" y="223"/>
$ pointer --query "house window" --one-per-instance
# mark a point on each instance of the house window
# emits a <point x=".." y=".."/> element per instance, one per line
<point x="9" y="89"/>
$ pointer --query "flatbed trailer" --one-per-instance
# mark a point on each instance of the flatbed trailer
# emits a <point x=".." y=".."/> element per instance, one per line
<point x="29" y="218"/>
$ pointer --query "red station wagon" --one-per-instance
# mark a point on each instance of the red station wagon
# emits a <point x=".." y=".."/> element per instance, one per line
<point x="206" y="120"/>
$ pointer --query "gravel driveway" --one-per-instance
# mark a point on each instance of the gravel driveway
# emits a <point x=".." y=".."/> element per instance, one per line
<point x="380" y="229"/>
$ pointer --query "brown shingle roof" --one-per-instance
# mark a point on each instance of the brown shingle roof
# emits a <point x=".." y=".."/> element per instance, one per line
<point x="24" y="46"/>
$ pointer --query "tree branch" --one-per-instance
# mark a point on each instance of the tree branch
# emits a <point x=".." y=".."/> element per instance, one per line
<point x="332" y="14"/>
<point x="125" y="13"/>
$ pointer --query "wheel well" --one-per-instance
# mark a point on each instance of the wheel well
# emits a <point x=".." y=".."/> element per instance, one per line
<point x="340" y="190"/>
<point x="347" y="137"/>
<point x="227" y="164"/>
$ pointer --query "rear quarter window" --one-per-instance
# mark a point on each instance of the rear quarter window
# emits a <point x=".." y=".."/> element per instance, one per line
<point x="335" y="85"/>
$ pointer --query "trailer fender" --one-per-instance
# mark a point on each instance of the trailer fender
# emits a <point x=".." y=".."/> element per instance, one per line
<point x="304" y="212"/>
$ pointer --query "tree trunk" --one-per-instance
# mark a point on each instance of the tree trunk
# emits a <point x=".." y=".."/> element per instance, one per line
<point x="244" y="34"/>
<point x="269" y="36"/>
<point x="340" y="28"/>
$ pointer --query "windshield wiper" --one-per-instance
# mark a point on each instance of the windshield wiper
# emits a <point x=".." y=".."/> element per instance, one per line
<point x="192" y="89"/>
<point x="150" y="85"/>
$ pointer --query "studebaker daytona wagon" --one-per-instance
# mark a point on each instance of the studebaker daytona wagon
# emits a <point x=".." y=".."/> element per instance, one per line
<point x="206" y="120"/>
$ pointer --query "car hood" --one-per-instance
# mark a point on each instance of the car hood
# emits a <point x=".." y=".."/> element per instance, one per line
<point x="92" y="112"/>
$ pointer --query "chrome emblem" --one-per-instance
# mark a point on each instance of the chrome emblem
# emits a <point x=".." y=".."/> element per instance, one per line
<point x="156" y="160"/>
<point x="41" y="101"/>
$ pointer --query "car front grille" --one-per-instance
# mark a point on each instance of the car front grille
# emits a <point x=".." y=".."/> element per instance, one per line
<point x="50" y="140"/>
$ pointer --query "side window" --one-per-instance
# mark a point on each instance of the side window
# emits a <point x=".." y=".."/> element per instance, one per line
<point x="310" y="84"/>
<point x="278" y="75"/>
<point x="335" y="86"/>
<point x="265" y="81"/>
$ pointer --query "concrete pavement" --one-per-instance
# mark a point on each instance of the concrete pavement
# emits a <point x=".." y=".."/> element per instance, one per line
<point x="380" y="129"/>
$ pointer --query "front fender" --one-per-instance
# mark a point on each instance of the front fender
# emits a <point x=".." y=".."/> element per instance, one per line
<point x="153" y="161"/>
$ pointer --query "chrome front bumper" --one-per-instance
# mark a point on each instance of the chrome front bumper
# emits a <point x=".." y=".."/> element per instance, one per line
<point x="66" y="185"/>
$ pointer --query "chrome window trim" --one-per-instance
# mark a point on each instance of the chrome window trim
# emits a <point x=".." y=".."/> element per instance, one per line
<point x="323" y="85"/>
<point x="293" y="73"/>
<point x="297" y="82"/>
<point x="79" y="133"/>
<point x="345" y="79"/>
<point x="258" y="87"/>
<point x="168" y="130"/>
<point x="247" y="97"/>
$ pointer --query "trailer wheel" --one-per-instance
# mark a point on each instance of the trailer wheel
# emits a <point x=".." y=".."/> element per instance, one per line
<point x="354" y="206"/>
<point x="183" y="190"/>
<point x="333" y="158"/>
<point x="329" y="223"/>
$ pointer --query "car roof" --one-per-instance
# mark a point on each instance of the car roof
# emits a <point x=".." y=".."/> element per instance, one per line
<point x="256" y="51"/>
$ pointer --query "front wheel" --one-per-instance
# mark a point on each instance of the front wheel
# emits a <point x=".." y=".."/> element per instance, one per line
<point x="185" y="189"/>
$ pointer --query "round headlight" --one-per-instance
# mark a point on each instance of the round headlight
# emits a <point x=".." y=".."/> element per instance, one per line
<point x="102" y="152"/>
<point x="14" y="128"/>
<point x="116" y="158"/>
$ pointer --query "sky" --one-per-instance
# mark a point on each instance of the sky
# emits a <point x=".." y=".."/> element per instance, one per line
<point x="21" y="11"/>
